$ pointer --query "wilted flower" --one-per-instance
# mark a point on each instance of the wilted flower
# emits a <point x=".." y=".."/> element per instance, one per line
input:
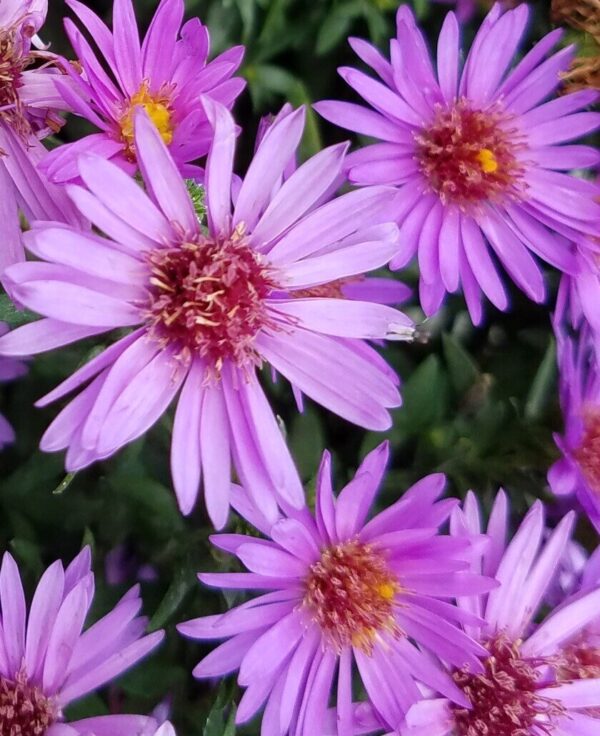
<point x="166" y="76"/>
<point x="263" y="283"/>
<point x="529" y="687"/>
<point x="47" y="661"/>
<point x="340" y="592"/>
<point x="476" y="154"/>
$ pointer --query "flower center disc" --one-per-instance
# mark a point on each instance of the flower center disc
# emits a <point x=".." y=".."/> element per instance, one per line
<point x="207" y="298"/>
<point x="588" y="453"/>
<point x="159" y="111"/>
<point x="24" y="710"/>
<point x="350" y="594"/>
<point x="468" y="155"/>
<point x="505" y="698"/>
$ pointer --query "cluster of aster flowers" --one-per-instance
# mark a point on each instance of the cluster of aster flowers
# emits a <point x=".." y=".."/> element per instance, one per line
<point x="193" y="280"/>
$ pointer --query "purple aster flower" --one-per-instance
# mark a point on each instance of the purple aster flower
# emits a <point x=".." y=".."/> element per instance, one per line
<point x="9" y="370"/>
<point x="578" y="471"/>
<point x="166" y="76"/>
<point x="529" y="687"/>
<point x="476" y="155"/>
<point x="29" y="99"/>
<point x="342" y="592"/>
<point x="210" y="305"/>
<point x="47" y="661"/>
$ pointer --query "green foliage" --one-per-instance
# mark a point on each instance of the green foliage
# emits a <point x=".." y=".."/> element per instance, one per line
<point x="479" y="405"/>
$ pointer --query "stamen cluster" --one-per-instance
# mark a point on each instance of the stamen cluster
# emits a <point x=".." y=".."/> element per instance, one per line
<point x="159" y="109"/>
<point x="468" y="155"/>
<point x="505" y="697"/>
<point x="24" y="710"/>
<point x="207" y="298"/>
<point x="350" y="594"/>
<point x="12" y="65"/>
<point x="580" y="661"/>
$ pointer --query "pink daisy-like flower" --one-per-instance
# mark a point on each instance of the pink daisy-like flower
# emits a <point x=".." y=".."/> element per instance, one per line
<point x="9" y="370"/>
<point x="29" y="100"/>
<point x="261" y="283"/>
<point x="340" y="592"/>
<point x="47" y="661"/>
<point x="529" y="687"/>
<point x="166" y="76"/>
<point x="578" y="471"/>
<point x="476" y="154"/>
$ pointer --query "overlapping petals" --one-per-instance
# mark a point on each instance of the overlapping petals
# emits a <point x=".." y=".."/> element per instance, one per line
<point x="47" y="652"/>
<point x="289" y="646"/>
<point x="557" y="701"/>
<point x="477" y="152"/>
<point x="87" y="285"/>
<point x="166" y="75"/>
<point x="9" y="370"/>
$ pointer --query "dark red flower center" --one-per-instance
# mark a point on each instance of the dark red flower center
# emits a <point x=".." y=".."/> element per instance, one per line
<point x="208" y="299"/>
<point x="505" y="698"/>
<point x="469" y="155"/>
<point x="588" y="453"/>
<point x="350" y="594"/>
<point x="24" y="709"/>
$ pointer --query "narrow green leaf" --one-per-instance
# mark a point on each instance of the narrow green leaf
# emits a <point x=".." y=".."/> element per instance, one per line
<point x="181" y="584"/>
<point x="64" y="484"/>
<point x="461" y="367"/>
<point x="543" y="384"/>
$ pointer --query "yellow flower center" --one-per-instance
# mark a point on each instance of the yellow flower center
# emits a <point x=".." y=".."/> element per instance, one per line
<point x="159" y="111"/>
<point x="487" y="160"/>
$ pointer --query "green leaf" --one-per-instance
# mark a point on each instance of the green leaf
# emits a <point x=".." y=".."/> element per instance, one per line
<point x="64" y="484"/>
<point x="335" y="26"/>
<point x="425" y="397"/>
<point x="461" y="367"/>
<point x="542" y="388"/>
<point x="12" y="316"/>
<point x="181" y="584"/>
<point x="216" y="725"/>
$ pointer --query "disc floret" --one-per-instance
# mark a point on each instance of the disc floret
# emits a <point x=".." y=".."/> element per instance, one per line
<point x="469" y="155"/>
<point x="207" y="298"/>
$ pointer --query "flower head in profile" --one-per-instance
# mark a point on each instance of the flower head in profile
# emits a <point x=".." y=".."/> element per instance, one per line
<point x="261" y="283"/>
<point x="29" y="98"/>
<point x="578" y="471"/>
<point x="341" y="592"/>
<point x="533" y="684"/>
<point x="165" y="75"/>
<point x="47" y="661"/>
<point x="477" y="153"/>
<point x="9" y="370"/>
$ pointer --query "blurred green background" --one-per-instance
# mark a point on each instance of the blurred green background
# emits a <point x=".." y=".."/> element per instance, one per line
<point x="479" y="404"/>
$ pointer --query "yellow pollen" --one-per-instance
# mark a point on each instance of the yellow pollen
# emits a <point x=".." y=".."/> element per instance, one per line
<point x="488" y="162"/>
<point x="159" y="112"/>
<point x="387" y="590"/>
